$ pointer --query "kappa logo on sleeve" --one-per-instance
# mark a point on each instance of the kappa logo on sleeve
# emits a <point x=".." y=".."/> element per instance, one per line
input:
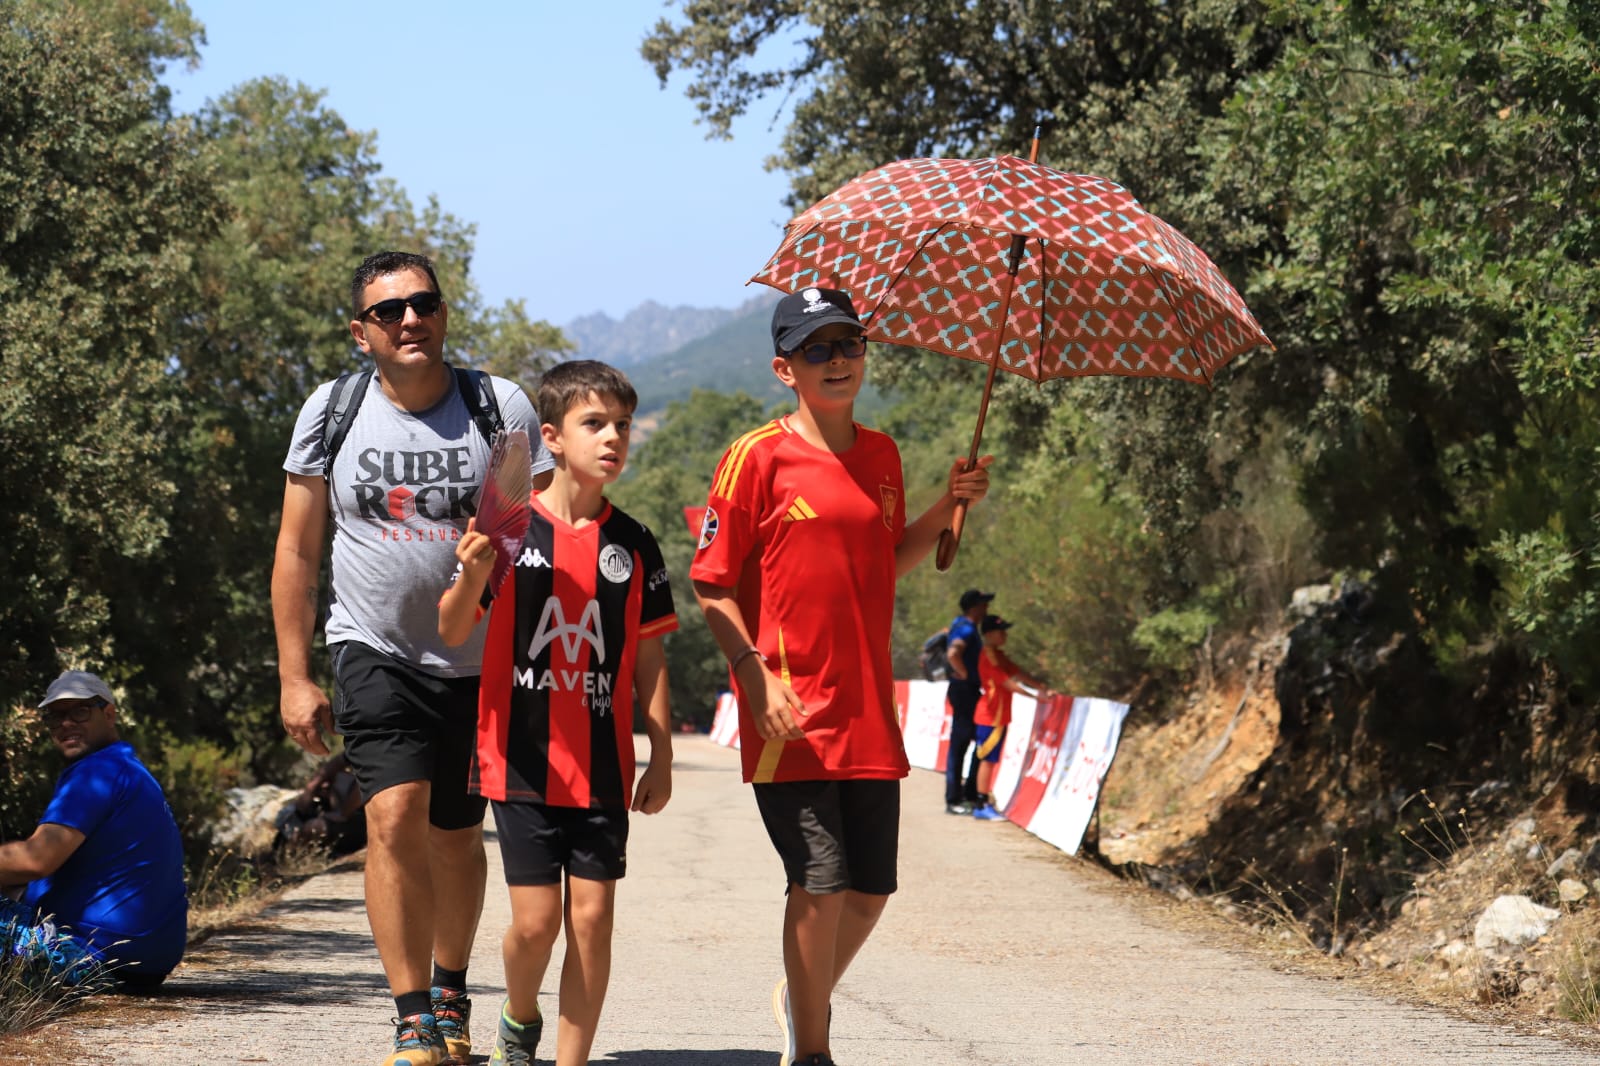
<point x="708" y="528"/>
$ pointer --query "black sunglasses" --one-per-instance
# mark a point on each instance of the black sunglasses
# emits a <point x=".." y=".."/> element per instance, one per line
<point x="425" y="304"/>
<point x="77" y="712"/>
<point x="822" y="351"/>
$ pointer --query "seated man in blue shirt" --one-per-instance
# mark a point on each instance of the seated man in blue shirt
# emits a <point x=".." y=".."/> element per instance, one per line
<point x="102" y="874"/>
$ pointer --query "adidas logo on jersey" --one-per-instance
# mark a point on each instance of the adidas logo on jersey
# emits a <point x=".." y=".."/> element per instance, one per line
<point x="799" y="511"/>
<point x="533" y="557"/>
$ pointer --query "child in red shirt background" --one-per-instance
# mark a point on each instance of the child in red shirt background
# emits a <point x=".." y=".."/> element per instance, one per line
<point x="1000" y="676"/>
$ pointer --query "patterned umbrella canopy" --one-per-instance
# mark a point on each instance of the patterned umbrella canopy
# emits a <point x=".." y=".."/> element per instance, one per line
<point x="1103" y="286"/>
<point x="1031" y="270"/>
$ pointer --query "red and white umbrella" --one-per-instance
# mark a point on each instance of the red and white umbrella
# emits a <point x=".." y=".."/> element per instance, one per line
<point x="1027" y="269"/>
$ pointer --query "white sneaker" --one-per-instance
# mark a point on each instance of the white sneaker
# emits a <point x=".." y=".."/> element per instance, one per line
<point x="780" y="1011"/>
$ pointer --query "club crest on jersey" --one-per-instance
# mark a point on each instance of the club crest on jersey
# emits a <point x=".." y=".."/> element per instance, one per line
<point x="891" y="496"/>
<point x="616" y="563"/>
<point x="708" y="527"/>
<point x="553" y="625"/>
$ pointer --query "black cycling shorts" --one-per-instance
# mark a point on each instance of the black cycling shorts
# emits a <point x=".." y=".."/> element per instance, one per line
<point x="834" y="835"/>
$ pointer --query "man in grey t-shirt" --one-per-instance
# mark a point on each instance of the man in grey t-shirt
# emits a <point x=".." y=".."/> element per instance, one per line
<point x="400" y="491"/>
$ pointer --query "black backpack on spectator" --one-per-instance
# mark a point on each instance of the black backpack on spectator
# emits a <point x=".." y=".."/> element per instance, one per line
<point x="935" y="667"/>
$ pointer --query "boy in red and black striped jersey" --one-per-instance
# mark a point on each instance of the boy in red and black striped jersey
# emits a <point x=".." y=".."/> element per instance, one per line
<point x="804" y="535"/>
<point x="574" y="640"/>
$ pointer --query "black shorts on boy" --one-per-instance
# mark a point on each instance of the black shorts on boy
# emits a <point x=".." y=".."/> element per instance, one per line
<point x="834" y="835"/>
<point x="401" y="725"/>
<point x="538" y="842"/>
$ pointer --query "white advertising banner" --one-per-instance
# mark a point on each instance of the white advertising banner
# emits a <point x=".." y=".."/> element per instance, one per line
<point x="1087" y="746"/>
<point x="1053" y="761"/>
<point x="1013" y="750"/>
<point x="924" y="722"/>
<point x="725" y="726"/>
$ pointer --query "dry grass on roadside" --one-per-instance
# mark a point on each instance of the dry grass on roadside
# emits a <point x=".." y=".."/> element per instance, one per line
<point x="28" y="1001"/>
<point x="229" y="888"/>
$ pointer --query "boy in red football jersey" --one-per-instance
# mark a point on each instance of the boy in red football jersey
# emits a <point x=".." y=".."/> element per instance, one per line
<point x="574" y="638"/>
<point x="1000" y="677"/>
<point x="803" y="538"/>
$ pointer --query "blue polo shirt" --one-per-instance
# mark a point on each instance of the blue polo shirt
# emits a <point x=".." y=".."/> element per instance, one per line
<point x="125" y="881"/>
<point x="964" y="629"/>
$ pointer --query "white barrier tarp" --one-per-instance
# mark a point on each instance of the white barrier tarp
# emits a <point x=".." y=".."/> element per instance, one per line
<point x="1052" y="763"/>
<point x="1081" y="763"/>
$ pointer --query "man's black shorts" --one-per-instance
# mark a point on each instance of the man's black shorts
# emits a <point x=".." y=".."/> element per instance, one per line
<point x="402" y="725"/>
<point x="538" y="842"/>
<point x="834" y="835"/>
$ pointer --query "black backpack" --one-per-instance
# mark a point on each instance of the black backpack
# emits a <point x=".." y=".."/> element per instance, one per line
<point x="477" y="391"/>
<point x="935" y="665"/>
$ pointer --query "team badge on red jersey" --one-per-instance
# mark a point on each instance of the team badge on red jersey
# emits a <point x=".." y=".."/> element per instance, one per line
<point x="708" y="527"/>
<point x="891" y="496"/>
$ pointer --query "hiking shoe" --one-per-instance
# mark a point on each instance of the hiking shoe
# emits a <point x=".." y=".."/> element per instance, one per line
<point x="958" y="808"/>
<point x="452" y="1011"/>
<point x="515" y="1044"/>
<point x="780" y="1011"/>
<point x="987" y="813"/>
<point x="417" y="1042"/>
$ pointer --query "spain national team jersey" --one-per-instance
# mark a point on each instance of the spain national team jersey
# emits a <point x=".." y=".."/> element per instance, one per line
<point x="994" y="706"/>
<point x="555" y="703"/>
<point x="807" y="537"/>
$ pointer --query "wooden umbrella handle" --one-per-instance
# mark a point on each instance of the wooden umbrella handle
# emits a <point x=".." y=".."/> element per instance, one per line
<point x="950" y="539"/>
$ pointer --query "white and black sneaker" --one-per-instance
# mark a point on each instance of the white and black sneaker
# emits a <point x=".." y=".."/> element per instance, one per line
<point x="780" y="1011"/>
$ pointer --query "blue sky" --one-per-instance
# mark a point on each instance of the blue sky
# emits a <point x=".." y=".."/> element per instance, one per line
<point x="592" y="188"/>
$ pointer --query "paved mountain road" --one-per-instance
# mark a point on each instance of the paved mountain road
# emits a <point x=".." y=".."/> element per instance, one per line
<point x="997" y="950"/>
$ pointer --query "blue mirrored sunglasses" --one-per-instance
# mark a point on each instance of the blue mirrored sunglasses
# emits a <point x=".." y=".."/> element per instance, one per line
<point x="822" y="351"/>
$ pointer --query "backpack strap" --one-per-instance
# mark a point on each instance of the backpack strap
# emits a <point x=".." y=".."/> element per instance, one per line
<point x="343" y="403"/>
<point x="476" y="388"/>
<point x="477" y="392"/>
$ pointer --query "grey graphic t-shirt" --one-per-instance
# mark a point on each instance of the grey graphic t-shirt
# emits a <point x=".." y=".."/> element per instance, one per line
<point x="403" y="486"/>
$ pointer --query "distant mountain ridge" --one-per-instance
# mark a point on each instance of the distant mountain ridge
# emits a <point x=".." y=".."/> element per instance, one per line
<point x="652" y="330"/>
<point x="734" y="357"/>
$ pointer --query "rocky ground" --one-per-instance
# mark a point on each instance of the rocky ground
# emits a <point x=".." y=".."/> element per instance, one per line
<point x="1289" y="793"/>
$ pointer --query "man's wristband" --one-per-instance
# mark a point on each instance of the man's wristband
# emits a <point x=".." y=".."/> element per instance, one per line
<point x="749" y="650"/>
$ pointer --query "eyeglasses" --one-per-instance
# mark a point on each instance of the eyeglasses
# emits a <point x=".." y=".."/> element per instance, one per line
<point x="425" y="304"/>
<point x="822" y="351"/>
<point x="78" y="713"/>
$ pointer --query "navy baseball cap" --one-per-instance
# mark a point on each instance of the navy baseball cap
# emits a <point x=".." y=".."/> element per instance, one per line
<point x="972" y="597"/>
<point x="802" y="313"/>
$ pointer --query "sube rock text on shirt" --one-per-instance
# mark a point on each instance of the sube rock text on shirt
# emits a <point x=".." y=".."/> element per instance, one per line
<point x="433" y="485"/>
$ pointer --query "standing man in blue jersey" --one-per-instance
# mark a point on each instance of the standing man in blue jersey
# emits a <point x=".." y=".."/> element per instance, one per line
<point x="965" y="648"/>
<point x="397" y="475"/>
<point x="104" y="869"/>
